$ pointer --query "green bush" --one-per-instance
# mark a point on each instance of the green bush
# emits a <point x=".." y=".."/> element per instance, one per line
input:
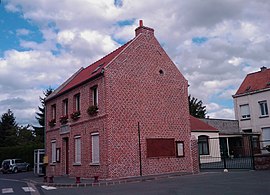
<point x="26" y="152"/>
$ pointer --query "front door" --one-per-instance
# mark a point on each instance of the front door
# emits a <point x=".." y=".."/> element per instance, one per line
<point x="66" y="155"/>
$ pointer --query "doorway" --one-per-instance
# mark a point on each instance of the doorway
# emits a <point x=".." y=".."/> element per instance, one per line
<point x="66" y="155"/>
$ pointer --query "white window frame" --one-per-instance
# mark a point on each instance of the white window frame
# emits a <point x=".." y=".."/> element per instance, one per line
<point x="263" y="108"/>
<point x="245" y="111"/>
<point x="53" y="144"/>
<point x="65" y="104"/>
<point x="78" y="150"/>
<point x="54" y="111"/>
<point x="95" y="148"/>
<point x="77" y="102"/>
<point x="95" y="93"/>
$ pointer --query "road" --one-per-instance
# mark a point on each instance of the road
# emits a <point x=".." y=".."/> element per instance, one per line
<point x="233" y="182"/>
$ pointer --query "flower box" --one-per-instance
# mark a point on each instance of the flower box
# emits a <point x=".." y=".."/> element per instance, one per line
<point x="63" y="119"/>
<point x="52" y="122"/>
<point x="93" y="109"/>
<point x="75" y="115"/>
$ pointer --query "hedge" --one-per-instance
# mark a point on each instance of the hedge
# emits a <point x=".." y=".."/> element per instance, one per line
<point x="26" y="152"/>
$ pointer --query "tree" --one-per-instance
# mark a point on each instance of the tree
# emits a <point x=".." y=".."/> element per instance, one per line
<point x="8" y="129"/>
<point x="39" y="131"/>
<point x="196" y="107"/>
<point x="25" y="135"/>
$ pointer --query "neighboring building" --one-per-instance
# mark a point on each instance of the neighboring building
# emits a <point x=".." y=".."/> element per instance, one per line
<point x="251" y="104"/>
<point x="208" y="140"/>
<point x="233" y="143"/>
<point x="125" y="115"/>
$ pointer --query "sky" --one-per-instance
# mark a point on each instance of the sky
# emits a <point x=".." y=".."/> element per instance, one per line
<point x="214" y="43"/>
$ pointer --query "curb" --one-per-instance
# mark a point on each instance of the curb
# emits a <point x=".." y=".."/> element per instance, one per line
<point x="111" y="182"/>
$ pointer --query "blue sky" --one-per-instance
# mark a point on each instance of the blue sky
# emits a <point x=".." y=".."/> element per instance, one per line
<point x="45" y="42"/>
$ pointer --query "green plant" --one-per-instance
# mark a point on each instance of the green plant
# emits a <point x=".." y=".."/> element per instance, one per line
<point x="75" y="115"/>
<point x="64" y="119"/>
<point x="93" y="109"/>
<point x="52" y="122"/>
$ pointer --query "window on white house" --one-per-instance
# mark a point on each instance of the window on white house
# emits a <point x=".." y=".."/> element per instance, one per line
<point x="245" y="112"/>
<point x="53" y="142"/>
<point x="65" y="107"/>
<point x="77" y="102"/>
<point x="263" y="108"/>
<point x="95" y="148"/>
<point x="77" y="150"/>
<point x="95" y="95"/>
<point x="203" y="145"/>
<point x="266" y="136"/>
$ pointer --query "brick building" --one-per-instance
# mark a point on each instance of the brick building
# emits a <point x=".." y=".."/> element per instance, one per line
<point x="125" y="115"/>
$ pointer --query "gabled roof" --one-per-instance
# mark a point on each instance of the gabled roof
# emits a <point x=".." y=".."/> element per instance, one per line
<point x="90" y="72"/>
<point x="198" y="125"/>
<point x="254" y="82"/>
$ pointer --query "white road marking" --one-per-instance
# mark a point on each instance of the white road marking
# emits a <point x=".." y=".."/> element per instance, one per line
<point x="7" y="190"/>
<point x="49" y="187"/>
<point x="28" y="189"/>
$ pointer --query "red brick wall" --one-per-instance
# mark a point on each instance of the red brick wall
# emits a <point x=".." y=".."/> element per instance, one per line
<point x="142" y="85"/>
<point x="136" y="91"/>
<point x="83" y="127"/>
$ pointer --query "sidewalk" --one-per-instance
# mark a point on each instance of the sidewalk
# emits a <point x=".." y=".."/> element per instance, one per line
<point x="66" y="181"/>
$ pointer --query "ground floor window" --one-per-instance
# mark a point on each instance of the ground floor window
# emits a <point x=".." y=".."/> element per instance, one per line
<point x="203" y="145"/>
<point x="77" y="150"/>
<point x="95" y="148"/>
<point x="53" y="144"/>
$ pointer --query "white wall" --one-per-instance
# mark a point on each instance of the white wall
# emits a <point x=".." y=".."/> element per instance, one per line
<point x="214" y="148"/>
<point x="255" y="123"/>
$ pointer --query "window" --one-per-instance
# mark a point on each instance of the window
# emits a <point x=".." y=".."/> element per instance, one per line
<point x="180" y="149"/>
<point x="245" y="113"/>
<point x="65" y="107"/>
<point x="54" y="111"/>
<point x="53" y="142"/>
<point x="77" y="150"/>
<point x="77" y="102"/>
<point x="160" y="147"/>
<point x="95" y="95"/>
<point x="263" y="108"/>
<point x="266" y="136"/>
<point x="203" y="145"/>
<point x="95" y="148"/>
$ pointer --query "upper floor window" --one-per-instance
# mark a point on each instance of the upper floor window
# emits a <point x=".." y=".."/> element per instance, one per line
<point x="65" y="107"/>
<point x="263" y="108"/>
<point x="245" y="112"/>
<point x="77" y="102"/>
<point x="54" y="111"/>
<point x="95" y="95"/>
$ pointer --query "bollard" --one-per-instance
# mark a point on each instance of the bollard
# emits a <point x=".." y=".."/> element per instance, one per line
<point x="78" y="180"/>
<point x="45" y="179"/>
<point x="95" y="179"/>
<point x="51" y="179"/>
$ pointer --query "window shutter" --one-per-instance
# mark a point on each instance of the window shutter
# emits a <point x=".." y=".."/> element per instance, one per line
<point x="95" y="148"/>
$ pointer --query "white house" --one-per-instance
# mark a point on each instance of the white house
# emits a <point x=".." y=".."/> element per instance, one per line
<point x="251" y="104"/>
<point x="208" y="140"/>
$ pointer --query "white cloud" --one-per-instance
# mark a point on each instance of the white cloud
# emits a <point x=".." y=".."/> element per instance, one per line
<point x="77" y="33"/>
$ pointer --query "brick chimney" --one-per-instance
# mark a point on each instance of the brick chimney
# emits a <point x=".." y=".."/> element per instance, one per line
<point x="263" y="68"/>
<point x="143" y="29"/>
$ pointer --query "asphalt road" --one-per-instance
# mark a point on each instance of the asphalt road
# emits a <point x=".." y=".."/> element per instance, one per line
<point x="237" y="182"/>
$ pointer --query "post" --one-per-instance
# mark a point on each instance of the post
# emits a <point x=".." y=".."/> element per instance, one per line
<point x="140" y="150"/>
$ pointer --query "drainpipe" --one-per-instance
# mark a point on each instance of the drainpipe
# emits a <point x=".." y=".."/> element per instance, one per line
<point x="140" y="150"/>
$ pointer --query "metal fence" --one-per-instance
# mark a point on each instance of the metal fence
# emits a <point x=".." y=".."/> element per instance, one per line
<point x="228" y="152"/>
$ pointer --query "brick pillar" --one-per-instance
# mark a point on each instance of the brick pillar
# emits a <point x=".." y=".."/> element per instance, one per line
<point x="194" y="155"/>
